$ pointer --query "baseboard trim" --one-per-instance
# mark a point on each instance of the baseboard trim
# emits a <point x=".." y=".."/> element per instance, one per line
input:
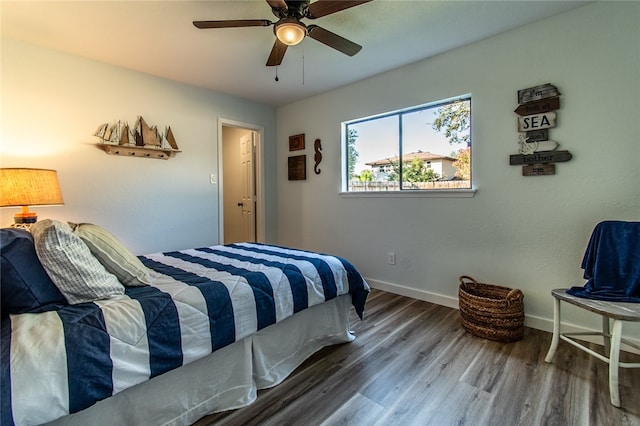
<point x="532" y="321"/>
<point x="427" y="296"/>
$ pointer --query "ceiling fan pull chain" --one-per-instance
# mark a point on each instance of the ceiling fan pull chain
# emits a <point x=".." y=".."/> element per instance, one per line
<point x="277" y="74"/>
<point x="303" y="65"/>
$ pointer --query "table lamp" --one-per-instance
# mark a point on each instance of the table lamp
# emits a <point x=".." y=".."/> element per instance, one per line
<point x="28" y="187"/>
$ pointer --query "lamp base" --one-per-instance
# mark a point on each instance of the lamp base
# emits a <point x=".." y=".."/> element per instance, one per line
<point x="25" y="226"/>
<point x="28" y="217"/>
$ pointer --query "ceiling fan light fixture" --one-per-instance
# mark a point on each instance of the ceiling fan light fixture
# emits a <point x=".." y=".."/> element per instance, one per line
<point x="290" y="31"/>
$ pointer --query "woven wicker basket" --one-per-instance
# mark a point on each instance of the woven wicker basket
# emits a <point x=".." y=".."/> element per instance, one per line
<point x="491" y="311"/>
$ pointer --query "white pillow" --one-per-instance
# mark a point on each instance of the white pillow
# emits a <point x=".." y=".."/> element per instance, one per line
<point x="70" y="264"/>
<point x="113" y="255"/>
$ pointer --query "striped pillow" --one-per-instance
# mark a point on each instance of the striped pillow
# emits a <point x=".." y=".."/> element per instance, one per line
<point x="70" y="264"/>
<point x="113" y="255"/>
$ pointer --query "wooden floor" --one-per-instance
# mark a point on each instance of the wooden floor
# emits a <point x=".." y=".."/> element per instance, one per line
<point x="413" y="364"/>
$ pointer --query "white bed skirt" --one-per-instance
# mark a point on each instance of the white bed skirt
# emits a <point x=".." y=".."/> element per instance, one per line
<point x="227" y="379"/>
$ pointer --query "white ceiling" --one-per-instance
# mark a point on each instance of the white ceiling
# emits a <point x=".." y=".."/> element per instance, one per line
<point x="158" y="38"/>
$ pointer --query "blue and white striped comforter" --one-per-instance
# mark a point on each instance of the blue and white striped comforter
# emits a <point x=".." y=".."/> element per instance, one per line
<point x="60" y="362"/>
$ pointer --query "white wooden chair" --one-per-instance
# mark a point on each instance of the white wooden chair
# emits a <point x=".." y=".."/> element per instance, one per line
<point x="618" y="312"/>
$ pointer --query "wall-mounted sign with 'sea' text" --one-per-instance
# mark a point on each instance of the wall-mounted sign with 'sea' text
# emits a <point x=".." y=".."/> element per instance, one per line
<point x="536" y="122"/>
<point x="536" y="112"/>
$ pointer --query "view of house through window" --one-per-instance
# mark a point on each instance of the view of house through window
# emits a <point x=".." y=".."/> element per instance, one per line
<point x="433" y="141"/>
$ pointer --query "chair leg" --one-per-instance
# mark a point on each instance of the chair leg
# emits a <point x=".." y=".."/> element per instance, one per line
<point x="614" y="359"/>
<point x="606" y="334"/>
<point x="556" y="330"/>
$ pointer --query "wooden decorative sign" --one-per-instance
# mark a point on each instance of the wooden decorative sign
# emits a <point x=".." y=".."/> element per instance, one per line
<point x="539" y="170"/>
<point x="537" y="107"/>
<point x="536" y="122"/>
<point x="527" y="148"/>
<point x="298" y="167"/>
<point x="544" y="145"/>
<point x="537" y="92"/>
<point x="540" y="158"/>
<point x="537" y="135"/>
<point x="536" y="115"/>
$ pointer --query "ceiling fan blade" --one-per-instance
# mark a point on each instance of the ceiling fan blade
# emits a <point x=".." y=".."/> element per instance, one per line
<point x="321" y="8"/>
<point x="278" y="4"/>
<point x="233" y="23"/>
<point x="277" y="53"/>
<point x="333" y="40"/>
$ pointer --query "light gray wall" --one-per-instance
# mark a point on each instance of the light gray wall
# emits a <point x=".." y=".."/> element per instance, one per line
<point x="524" y="232"/>
<point x="53" y="102"/>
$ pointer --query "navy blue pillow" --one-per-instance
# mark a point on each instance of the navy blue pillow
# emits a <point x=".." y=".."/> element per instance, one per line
<point x="25" y="285"/>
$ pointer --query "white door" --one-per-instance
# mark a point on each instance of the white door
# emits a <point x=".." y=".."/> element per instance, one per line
<point x="239" y="149"/>
<point x="248" y="201"/>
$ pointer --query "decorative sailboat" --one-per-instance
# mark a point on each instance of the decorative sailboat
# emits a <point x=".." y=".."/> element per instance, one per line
<point x="116" y="134"/>
<point x="171" y="140"/>
<point x="145" y="140"/>
<point x="101" y="131"/>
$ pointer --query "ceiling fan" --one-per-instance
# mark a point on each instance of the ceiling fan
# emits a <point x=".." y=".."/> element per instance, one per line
<point x="289" y="30"/>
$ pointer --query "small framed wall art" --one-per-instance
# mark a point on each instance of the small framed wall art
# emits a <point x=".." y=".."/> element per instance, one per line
<point x="298" y="167"/>
<point x="296" y="142"/>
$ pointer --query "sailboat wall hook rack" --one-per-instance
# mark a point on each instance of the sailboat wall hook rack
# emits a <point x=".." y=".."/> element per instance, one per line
<point x="141" y="141"/>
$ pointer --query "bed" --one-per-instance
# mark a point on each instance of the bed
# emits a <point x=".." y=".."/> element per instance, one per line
<point x="201" y="332"/>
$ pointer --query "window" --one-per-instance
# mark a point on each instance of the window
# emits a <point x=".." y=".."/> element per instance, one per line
<point x="433" y="141"/>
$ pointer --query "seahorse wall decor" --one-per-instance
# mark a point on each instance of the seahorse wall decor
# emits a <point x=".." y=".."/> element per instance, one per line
<point x="317" y="147"/>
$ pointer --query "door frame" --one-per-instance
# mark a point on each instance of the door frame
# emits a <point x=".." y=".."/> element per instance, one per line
<point x="259" y="176"/>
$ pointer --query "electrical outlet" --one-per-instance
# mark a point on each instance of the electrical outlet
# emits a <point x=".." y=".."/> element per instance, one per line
<point x="391" y="258"/>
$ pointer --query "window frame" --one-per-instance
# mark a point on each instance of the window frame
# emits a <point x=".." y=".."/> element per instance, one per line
<point x="401" y="193"/>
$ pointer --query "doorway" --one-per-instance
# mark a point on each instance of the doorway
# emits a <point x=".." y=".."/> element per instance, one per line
<point x="241" y="205"/>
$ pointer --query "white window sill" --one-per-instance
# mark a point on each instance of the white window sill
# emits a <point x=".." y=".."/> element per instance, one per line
<point x="433" y="193"/>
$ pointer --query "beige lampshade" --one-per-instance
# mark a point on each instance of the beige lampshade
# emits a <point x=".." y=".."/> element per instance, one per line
<point x="29" y="187"/>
